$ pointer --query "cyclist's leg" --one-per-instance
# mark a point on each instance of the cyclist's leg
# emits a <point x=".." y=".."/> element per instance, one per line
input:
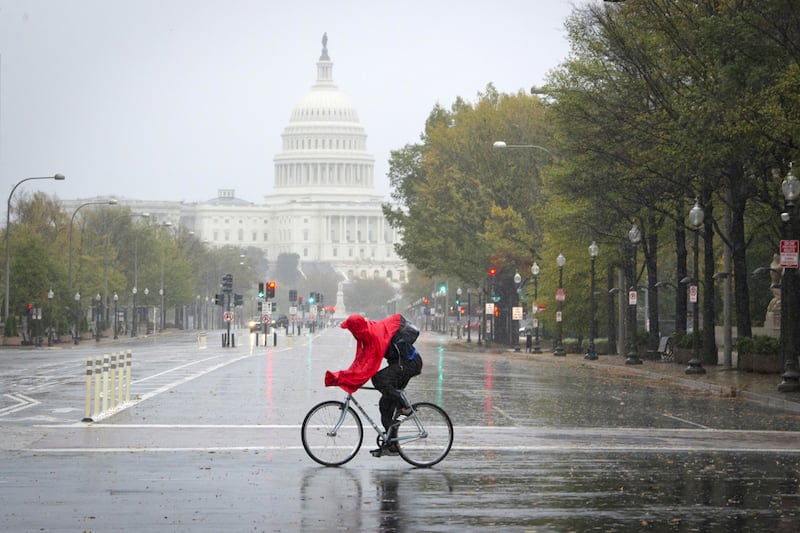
<point x="387" y="381"/>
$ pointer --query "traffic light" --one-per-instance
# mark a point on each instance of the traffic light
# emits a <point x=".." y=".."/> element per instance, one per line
<point x="320" y="298"/>
<point x="271" y="289"/>
<point x="238" y="300"/>
<point x="227" y="283"/>
<point x="312" y="298"/>
<point x="293" y="295"/>
<point x="261" y="290"/>
<point x="492" y="271"/>
<point x="260" y="306"/>
<point x="217" y="299"/>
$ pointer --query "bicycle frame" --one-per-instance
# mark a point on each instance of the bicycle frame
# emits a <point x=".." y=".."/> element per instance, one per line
<point x="350" y="399"/>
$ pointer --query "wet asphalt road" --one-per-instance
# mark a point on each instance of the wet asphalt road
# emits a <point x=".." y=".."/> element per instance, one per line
<point x="211" y="442"/>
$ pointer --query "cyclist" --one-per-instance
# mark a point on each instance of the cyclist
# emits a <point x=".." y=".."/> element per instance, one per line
<point x="391" y="338"/>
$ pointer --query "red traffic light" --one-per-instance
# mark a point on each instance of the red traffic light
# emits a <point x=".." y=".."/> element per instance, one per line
<point x="492" y="271"/>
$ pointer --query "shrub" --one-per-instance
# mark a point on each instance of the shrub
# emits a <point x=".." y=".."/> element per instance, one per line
<point x="765" y="345"/>
<point x="10" y="327"/>
<point x="686" y="340"/>
<point x="745" y="345"/>
<point x="758" y="345"/>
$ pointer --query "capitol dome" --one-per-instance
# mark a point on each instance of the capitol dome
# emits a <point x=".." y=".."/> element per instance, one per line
<point x="324" y="147"/>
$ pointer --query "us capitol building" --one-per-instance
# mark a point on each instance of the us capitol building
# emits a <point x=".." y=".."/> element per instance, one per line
<point x="324" y="207"/>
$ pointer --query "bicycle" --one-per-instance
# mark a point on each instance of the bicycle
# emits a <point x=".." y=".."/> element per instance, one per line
<point x="332" y="432"/>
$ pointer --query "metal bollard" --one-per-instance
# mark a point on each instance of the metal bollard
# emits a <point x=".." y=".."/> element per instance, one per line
<point x="128" y="362"/>
<point x="87" y="406"/>
<point x="112" y="377"/>
<point x="98" y="376"/>
<point x="120" y="376"/>
<point x="105" y="382"/>
<point x="109" y="378"/>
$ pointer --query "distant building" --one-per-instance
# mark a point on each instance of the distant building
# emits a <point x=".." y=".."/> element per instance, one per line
<point x="324" y="207"/>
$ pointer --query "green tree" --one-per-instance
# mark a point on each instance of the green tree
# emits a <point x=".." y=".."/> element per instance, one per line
<point x="463" y="205"/>
<point x="368" y="297"/>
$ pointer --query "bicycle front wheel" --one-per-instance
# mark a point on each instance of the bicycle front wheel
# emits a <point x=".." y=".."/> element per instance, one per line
<point x="425" y="437"/>
<point x="332" y="435"/>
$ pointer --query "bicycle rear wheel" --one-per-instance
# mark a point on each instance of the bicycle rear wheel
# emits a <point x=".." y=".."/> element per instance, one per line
<point x="425" y="438"/>
<point x="326" y="443"/>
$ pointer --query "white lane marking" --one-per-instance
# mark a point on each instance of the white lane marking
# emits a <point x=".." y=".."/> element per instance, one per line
<point x="23" y="402"/>
<point x="561" y="447"/>
<point x="179" y="367"/>
<point x="185" y="379"/>
<point x="679" y="419"/>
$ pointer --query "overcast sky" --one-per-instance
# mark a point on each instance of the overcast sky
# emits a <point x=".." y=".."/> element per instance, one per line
<point x="175" y="99"/>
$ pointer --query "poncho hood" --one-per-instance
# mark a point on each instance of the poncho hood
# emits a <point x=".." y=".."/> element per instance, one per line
<point x="373" y="338"/>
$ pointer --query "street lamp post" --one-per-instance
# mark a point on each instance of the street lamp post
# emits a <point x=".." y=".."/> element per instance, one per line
<point x="71" y="220"/>
<point x="58" y="177"/>
<point x="695" y="365"/>
<point x="458" y="313"/>
<point x="591" y="354"/>
<point x="161" y="290"/>
<point x="535" y="308"/>
<point x="98" y="311"/>
<point x="469" y="316"/>
<point x="135" y="321"/>
<point x="515" y="323"/>
<point x="634" y="236"/>
<point x="50" y="295"/>
<point x="147" y="313"/>
<point x="559" y="348"/>
<point x="790" y="314"/>
<point x="116" y="316"/>
<point x="77" y="317"/>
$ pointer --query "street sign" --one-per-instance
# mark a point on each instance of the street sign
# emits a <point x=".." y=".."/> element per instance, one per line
<point x="632" y="297"/>
<point x="227" y="316"/>
<point x="516" y="313"/>
<point x="558" y="316"/>
<point x="264" y="319"/>
<point x="489" y="308"/>
<point x="693" y="294"/>
<point x="789" y="253"/>
<point x="561" y="295"/>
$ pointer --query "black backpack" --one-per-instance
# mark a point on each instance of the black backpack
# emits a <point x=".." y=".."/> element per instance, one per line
<point x="402" y="344"/>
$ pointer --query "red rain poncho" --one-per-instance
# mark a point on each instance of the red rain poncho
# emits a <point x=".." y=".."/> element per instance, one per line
<point x="373" y="339"/>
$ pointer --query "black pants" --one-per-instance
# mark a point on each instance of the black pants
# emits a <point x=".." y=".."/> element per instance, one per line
<point x="389" y="380"/>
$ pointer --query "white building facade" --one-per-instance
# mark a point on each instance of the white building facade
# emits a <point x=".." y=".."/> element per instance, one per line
<point x="324" y="206"/>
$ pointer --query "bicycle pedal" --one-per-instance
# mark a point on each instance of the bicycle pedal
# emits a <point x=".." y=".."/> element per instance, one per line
<point x="376" y="453"/>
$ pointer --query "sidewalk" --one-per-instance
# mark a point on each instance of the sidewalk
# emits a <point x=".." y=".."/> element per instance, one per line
<point x="758" y="388"/>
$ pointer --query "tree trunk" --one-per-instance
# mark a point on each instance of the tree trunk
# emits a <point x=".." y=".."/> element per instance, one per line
<point x="612" y="322"/>
<point x="709" y="354"/>
<point x="741" y="291"/>
<point x="651" y="257"/>
<point x="681" y="257"/>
